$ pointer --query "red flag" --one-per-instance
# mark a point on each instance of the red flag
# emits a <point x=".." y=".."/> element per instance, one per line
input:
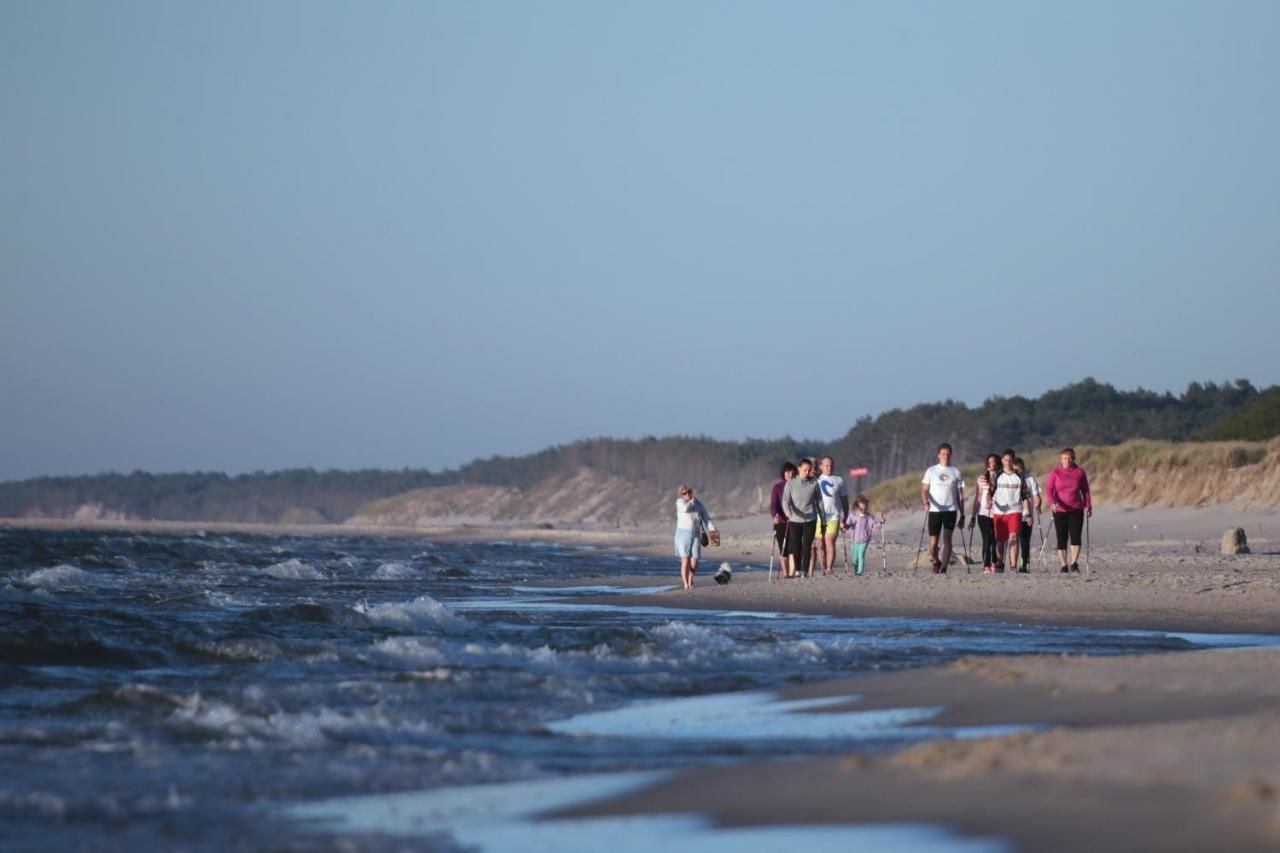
<point x="858" y="472"/>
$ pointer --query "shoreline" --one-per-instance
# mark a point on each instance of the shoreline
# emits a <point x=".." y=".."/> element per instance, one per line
<point x="1073" y="607"/>
<point x="1177" y="751"/>
<point x="1158" y="584"/>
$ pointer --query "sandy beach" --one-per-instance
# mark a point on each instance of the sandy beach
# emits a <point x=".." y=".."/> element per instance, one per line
<point x="1148" y="569"/>
<point x="1171" y="752"/>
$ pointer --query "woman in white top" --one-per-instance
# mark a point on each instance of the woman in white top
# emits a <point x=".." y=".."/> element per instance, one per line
<point x="1009" y="504"/>
<point x="691" y="520"/>
<point x="982" y="512"/>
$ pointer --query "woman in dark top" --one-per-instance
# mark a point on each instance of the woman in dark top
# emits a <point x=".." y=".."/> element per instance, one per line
<point x="779" y="517"/>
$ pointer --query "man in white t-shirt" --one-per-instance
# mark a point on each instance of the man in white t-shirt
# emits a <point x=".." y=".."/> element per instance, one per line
<point x="835" y="506"/>
<point x="942" y="492"/>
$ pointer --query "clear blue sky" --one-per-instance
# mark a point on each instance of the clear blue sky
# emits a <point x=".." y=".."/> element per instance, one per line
<point x="252" y="235"/>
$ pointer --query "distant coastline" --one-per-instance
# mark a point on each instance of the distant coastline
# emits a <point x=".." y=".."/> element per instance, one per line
<point x="1213" y="443"/>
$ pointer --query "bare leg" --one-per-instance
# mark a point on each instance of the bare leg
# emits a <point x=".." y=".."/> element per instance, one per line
<point x="1075" y="553"/>
<point x="945" y="556"/>
<point x="684" y="572"/>
<point x="933" y="549"/>
<point x="1012" y="563"/>
<point x="693" y="570"/>
<point x="1062" y="555"/>
<point x="829" y="551"/>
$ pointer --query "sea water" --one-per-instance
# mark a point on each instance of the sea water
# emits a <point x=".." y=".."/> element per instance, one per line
<point x="213" y="692"/>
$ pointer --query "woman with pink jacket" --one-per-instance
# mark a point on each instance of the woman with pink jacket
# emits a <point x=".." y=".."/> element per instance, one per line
<point x="1068" y="492"/>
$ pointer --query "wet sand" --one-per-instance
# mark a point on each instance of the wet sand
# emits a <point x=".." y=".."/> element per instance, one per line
<point x="1177" y="752"/>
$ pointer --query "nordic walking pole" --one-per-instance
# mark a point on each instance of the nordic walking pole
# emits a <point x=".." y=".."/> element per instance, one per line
<point x="884" y="554"/>
<point x="1087" y="570"/>
<point x="1087" y="513"/>
<point x="772" y="547"/>
<point x="920" y="547"/>
<point x="1040" y="527"/>
<point x="966" y="551"/>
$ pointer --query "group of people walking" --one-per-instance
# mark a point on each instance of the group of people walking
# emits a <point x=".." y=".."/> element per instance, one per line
<point x="1005" y="500"/>
<point x="810" y="507"/>
<point x="809" y="513"/>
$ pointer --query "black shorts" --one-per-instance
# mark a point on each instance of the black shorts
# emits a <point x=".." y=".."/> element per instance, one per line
<point x="1068" y="524"/>
<point x="939" y="520"/>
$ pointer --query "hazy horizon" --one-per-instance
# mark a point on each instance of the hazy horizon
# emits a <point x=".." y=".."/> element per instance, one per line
<point x="482" y="455"/>
<point x="245" y="237"/>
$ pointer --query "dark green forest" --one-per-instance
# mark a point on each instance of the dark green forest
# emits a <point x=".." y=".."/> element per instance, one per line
<point x="893" y="443"/>
<point x="1258" y="420"/>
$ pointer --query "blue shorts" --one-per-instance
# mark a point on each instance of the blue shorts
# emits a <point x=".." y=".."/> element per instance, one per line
<point x="688" y="544"/>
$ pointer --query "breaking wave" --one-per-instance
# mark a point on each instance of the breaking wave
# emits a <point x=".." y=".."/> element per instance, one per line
<point x="293" y="570"/>
<point x="60" y="577"/>
<point x="423" y="612"/>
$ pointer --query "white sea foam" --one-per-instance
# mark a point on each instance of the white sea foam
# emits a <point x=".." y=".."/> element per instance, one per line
<point x="696" y="834"/>
<point x="426" y="812"/>
<point x="59" y="577"/>
<point x="594" y="589"/>
<point x="737" y="716"/>
<point x="688" y="632"/>
<point x="299" y="728"/>
<point x="501" y="817"/>
<point x="415" y="650"/>
<point x="243" y="649"/>
<point x="543" y="657"/>
<point x="218" y="598"/>
<point x="757" y="715"/>
<point x="394" y="572"/>
<point x="1222" y="641"/>
<point x="676" y="644"/>
<point x="713" y="652"/>
<point x="293" y="570"/>
<point x="422" y="612"/>
<point x="516" y="604"/>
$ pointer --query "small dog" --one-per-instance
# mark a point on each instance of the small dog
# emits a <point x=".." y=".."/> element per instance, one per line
<point x="724" y="575"/>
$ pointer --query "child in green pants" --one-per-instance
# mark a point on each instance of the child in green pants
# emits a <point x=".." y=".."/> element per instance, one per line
<point x="863" y="526"/>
